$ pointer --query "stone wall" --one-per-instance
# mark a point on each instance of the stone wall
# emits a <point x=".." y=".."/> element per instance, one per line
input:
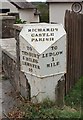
<point x="17" y="78"/>
<point x="11" y="65"/>
<point x="23" y="82"/>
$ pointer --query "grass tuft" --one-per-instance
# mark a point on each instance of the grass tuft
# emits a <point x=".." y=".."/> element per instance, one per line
<point x="48" y="110"/>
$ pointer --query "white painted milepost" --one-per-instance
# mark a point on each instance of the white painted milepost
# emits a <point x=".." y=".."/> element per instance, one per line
<point x="43" y="56"/>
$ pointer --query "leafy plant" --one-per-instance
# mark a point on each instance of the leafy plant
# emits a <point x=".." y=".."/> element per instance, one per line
<point x="44" y="12"/>
<point x="19" y="21"/>
<point x="48" y="110"/>
<point x="4" y="77"/>
<point x="73" y="98"/>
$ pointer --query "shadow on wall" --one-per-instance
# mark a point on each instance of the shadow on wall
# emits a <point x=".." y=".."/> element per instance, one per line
<point x="28" y="88"/>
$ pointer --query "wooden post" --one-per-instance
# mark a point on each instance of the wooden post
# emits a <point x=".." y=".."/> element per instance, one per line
<point x="73" y="27"/>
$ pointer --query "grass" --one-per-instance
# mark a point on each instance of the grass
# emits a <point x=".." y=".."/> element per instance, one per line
<point x="73" y="99"/>
<point x="48" y="110"/>
<point x="5" y="78"/>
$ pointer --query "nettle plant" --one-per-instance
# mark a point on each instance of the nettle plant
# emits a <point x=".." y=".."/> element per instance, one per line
<point x="19" y="21"/>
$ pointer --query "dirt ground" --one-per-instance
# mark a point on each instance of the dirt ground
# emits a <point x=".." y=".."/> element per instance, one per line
<point x="8" y="97"/>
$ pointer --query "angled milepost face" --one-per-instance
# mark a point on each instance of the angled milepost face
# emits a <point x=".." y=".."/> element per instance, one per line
<point x="43" y="49"/>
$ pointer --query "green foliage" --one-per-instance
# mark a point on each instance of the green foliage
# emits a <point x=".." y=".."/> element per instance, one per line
<point x="69" y="114"/>
<point x="48" y="110"/>
<point x="73" y="99"/>
<point x="4" y="77"/>
<point x="19" y="21"/>
<point x="43" y="9"/>
<point x="47" y="103"/>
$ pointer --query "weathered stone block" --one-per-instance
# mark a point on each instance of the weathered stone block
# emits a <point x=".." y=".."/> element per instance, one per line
<point x="43" y="58"/>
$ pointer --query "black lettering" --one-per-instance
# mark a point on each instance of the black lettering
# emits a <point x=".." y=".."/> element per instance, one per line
<point x="32" y="39"/>
<point x="35" y="61"/>
<point x="22" y="52"/>
<point x="39" y="30"/>
<point x="23" y="57"/>
<point x="51" y="64"/>
<point x="44" y="30"/>
<point x="46" y="54"/>
<point x="52" y="58"/>
<point x="54" y="64"/>
<point x="36" y="35"/>
<point x="26" y="59"/>
<point x="47" y="29"/>
<point x="35" y="66"/>
<point x="34" y="30"/>
<point x="43" y="56"/>
<point x="29" y="48"/>
<point x="52" y="34"/>
<point x="40" y="39"/>
<point x="56" y="29"/>
<point x="27" y="64"/>
<point x="48" y="65"/>
<point x="48" y="34"/>
<point x="43" y="39"/>
<point x="47" y="39"/>
<point x="50" y="54"/>
<point x="29" y="30"/>
<point x="52" y="29"/>
<point x="32" y="35"/>
<point x="30" y="65"/>
<point x="57" y="63"/>
<point x="37" y="56"/>
<point x="54" y="47"/>
<point x="40" y="35"/>
<point x="30" y="69"/>
<point x="51" y="39"/>
<point x="34" y="55"/>
<point x="43" y="34"/>
<point x="36" y="40"/>
<point x="38" y="67"/>
<point x="57" y="53"/>
<point x="61" y="52"/>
